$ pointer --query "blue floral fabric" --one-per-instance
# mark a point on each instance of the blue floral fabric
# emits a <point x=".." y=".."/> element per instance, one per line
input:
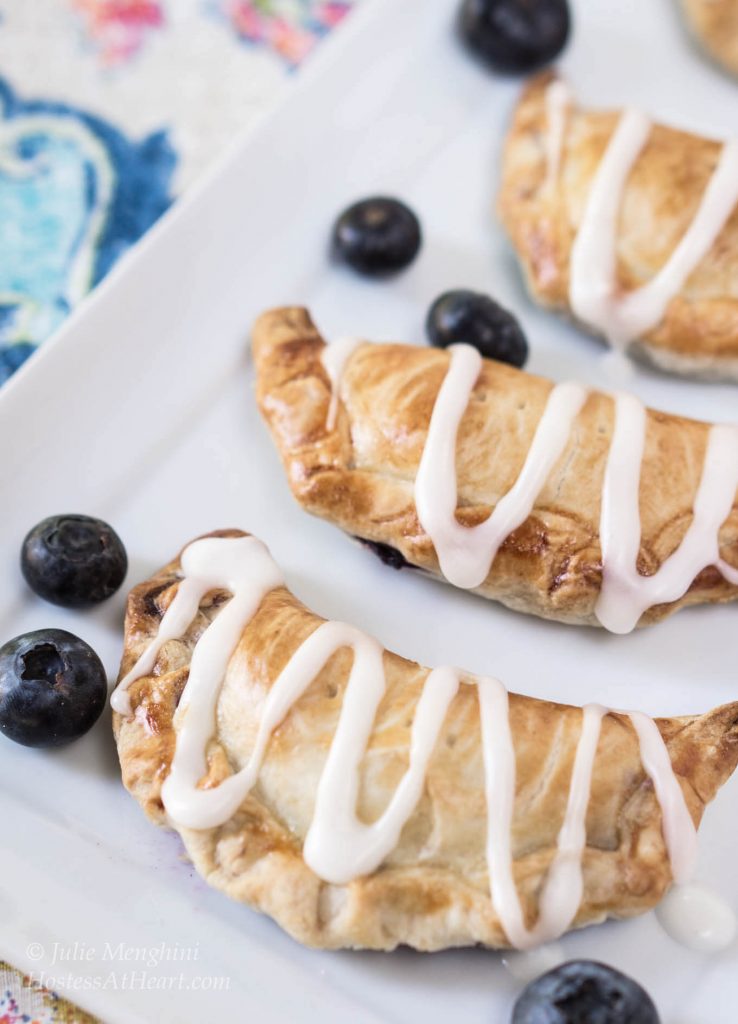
<point x="75" y="193"/>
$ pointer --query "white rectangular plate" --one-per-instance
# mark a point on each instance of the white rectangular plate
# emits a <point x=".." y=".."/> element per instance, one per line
<point x="142" y="411"/>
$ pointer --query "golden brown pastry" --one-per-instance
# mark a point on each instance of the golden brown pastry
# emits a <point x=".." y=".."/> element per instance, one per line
<point x="715" y="25"/>
<point x="428" y="886"/>
<point x="361" y="474"/>
<point x="654" y="182"/>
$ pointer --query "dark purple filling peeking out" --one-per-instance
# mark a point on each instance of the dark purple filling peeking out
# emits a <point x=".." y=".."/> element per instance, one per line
<point x="385" y="553"/>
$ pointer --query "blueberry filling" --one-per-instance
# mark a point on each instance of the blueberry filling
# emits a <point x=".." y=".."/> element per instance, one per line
<point x="386" y="553"/>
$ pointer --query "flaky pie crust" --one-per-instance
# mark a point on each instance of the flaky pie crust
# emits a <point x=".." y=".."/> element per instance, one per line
<point x="360" y="474"/>
<point x="432" y="892"/>
<point x="715" y="26"/>
<point x="699" y="332"/>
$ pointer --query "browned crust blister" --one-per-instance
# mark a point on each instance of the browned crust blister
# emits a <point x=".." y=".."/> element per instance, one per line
<point x="360" y="474"/>
<point x="699" y="332"/>
<point x="432" y="892"/>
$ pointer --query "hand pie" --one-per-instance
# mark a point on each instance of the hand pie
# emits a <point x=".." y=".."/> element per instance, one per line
<point x="628" y="226"/>
<point x="363" y="801"/>
<point x="715" y="25"/>
<point x="500" y="481"/>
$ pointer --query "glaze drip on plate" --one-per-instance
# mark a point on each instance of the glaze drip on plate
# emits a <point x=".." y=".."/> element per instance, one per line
<point x="698" y="918"/>
<point x="338" y="847"/>
<point x="594" y="295"/>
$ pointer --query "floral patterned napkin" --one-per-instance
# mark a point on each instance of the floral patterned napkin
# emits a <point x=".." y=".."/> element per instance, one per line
<point x="108" y="110"/>
<point x="23" y="1004"/>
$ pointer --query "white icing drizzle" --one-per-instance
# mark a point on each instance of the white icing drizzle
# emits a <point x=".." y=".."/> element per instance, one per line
<point x="338" y="847"/>
<point x="593" y="290"/>
<point x="175" y="621"/>
<point x="562" y="893"/>
<point x="617" y="369"/>
<point x="334" y="358"/>
<point x="465" y="554"/>
<point x="730" y="574"/>
<point x="562" y="889"/>
<point x="592" y="262"/>
<point x="558" y="98"/>
<point x="680" y="835"/>
<point x="527" y="965"/>
<point x="625" y="593"/>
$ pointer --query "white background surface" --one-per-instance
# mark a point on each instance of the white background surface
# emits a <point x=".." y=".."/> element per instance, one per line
<point x="142" y="411"/>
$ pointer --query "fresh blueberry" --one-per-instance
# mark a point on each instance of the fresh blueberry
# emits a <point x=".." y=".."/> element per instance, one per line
<point x="478" y="320"/>
<point x="515" y="36"/>
<point x="52" y="688"/>
<point x="377" y="236"/>
<point x="584" y="992"/>
<point x="74" y="561"/>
